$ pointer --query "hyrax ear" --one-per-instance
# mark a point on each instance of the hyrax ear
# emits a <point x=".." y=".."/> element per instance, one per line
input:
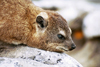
<point x="42" y="20"/>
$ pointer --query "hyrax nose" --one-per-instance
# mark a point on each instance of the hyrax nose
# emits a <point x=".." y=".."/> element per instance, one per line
<point x="73" y="46"/>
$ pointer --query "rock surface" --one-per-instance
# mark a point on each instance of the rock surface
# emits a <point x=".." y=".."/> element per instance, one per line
<point x="91" y="24"/>
<point x="24" y="56"/>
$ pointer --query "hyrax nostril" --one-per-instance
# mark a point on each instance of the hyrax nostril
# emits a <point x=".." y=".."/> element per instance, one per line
<point x="73" y="46"/>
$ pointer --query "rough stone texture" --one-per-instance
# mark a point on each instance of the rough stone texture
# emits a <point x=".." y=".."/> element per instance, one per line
<point x="91" y="24"/>
<point x="24" y="56"/>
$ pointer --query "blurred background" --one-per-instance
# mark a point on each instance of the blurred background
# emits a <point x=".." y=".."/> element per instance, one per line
<point x="83" y="16"/>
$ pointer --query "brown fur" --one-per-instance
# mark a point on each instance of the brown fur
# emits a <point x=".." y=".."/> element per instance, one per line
<point x="18" y="25"/>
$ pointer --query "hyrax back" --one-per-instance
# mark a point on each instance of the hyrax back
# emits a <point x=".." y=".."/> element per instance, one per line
<point x="21" y="22"/>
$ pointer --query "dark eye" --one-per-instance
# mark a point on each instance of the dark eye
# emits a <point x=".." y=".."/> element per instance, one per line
<point x="61" y="37"/>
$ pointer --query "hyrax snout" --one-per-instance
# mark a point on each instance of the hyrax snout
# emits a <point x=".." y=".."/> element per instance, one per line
<point x="21" y="22"/>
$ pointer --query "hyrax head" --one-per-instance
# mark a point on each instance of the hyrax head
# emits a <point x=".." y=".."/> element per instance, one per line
<point x="52" y="33"/>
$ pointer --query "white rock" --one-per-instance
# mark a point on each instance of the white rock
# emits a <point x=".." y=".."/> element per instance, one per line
<point x="74" y="9"/>
<point x="32" y="57"/>
<point x="91" y="24"/>
<point x="50" y="3"/>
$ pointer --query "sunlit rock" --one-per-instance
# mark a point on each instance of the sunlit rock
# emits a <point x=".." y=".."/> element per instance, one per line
<point x="23" y="56"/>
<point x="91" y="24"/>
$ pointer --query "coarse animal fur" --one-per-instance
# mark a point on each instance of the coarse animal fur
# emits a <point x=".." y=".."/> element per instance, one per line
<point x="21" y="22"/>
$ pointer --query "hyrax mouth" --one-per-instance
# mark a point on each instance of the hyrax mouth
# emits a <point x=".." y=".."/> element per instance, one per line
<point x="62" y="48"/>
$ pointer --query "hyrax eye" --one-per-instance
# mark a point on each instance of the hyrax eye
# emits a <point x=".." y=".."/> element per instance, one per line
<point x="41" y="24"/>
<point x="61" y="37"/>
